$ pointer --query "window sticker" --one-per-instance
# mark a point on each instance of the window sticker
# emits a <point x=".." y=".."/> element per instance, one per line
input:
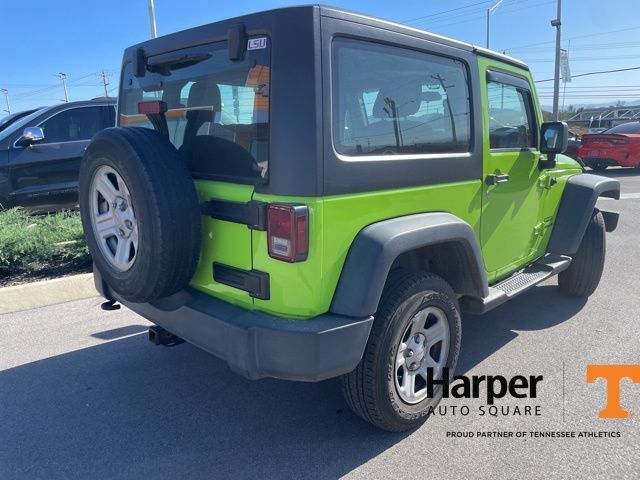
<point x="257" y="43"/>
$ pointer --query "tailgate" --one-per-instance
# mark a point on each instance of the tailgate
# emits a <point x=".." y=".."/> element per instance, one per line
<point x="223" y="242"/>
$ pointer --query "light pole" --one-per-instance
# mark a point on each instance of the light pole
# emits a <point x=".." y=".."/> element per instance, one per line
<point x="489" y="12"/>
<point x="6" y="99"/>
<point x="63" y="77"/>
<point x="556" y="78"/>
<point x="152" y="20"/>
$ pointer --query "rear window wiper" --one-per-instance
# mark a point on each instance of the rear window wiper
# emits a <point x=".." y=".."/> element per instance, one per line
<point x="165" y="65"/>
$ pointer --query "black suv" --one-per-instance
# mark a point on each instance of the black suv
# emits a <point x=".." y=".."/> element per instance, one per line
<point x="40" y="153"/>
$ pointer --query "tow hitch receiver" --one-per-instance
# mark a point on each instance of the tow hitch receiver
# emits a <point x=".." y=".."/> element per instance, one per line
<point x="160" y="336"/>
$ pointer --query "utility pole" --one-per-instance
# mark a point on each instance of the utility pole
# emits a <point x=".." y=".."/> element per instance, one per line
<point x="556" y="78"/>
<point x="63" y="77"/>
<point x="152" y="19"/>
<point x="105" y="82"/>
<point x="6" y="99"/>
<point x="489" y="12"/>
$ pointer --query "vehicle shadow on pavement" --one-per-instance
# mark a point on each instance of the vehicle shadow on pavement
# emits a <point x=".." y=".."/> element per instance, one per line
<point x="126" y="409"/>
<point x="540" y="308"/>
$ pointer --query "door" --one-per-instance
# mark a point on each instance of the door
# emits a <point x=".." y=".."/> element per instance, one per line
<point x="513" y="197"/>
<point x="44" y="175"/>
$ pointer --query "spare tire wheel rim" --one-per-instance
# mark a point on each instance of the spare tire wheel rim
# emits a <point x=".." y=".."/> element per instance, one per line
<point x="423" y="345"/>
<point x="113" y="219"/>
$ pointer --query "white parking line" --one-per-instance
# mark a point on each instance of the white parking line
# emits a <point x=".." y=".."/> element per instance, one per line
<point x="623" y="196"/>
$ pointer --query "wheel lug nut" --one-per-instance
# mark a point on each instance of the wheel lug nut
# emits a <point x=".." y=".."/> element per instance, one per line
<point x="128" y="224"/>
<point x="121" y="232"/>
<point x="409" y="353"/>
<point x="413" y="366"/>
<point x="114" y="204"/>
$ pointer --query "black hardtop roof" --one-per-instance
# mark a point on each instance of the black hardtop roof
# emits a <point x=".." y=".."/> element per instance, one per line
<point x="187" y="37"/>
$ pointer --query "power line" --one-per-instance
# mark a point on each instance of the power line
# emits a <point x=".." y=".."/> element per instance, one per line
<point x="572" y="38"/>
<point x="77" y="79"/>
<point x="476" y="14"/>
<point x="602" y="87"/>
<point x="411" y="20"/>
<point x="584" y="59"/>
<point x="47" y="88"/>
<point x="26" y="85"/>
<point x="569" y="98"/>
<point x="471" y="13"/>
<point x="593" y="73"/>
<point x="585" y="46"/>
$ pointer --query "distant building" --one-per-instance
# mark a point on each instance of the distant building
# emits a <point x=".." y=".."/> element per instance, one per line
<point x="605" y="117"/>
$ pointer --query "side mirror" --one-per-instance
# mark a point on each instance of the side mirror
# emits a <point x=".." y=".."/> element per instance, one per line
<point x="31" y="135"/>
<point x="554" y="138"/>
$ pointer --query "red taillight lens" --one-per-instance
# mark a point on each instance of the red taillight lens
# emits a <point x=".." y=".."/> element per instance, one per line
<point x="288" y="232"/>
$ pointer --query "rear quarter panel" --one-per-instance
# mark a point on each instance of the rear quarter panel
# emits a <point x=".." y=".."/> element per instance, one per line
<point x="305" y="289"/>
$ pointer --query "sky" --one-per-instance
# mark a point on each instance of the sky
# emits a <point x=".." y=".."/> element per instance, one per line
<point x="84" y="37"/>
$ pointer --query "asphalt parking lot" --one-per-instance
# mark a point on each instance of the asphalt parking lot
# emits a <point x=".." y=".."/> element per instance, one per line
<point x="83" y="394"/>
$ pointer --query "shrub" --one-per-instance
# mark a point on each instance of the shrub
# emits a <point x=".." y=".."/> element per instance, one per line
<point x="30" y="242"/>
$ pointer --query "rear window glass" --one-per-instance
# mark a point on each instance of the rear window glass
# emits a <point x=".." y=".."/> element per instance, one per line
<point x="631" y="127"/>
<point x="396" y="101"/>
<point x="218" y="110"/>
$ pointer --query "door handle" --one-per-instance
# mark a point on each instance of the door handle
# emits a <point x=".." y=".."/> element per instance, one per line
<point x="496" y="179"/>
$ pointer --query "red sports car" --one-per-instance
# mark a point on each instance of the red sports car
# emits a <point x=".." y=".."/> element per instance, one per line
<point x="617" y="146"/>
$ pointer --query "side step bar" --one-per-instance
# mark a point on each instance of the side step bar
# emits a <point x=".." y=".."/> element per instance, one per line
<point x="518" y="283"/>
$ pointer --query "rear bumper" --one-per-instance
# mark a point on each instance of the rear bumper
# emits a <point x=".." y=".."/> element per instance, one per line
<point x="254" y="344"/>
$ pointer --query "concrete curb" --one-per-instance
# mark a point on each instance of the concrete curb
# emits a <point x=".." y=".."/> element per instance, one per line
<point x="47" y="292"/>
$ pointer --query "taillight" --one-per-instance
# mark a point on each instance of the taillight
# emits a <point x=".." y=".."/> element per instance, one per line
<point x="288" y="232"/>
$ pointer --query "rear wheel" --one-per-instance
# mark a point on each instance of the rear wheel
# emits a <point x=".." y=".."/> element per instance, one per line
<point x="416" y="332"/>
<point x="583" y="275"/>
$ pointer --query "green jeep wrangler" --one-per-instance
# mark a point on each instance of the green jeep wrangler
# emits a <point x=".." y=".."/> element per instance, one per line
<point x="309" y="193"/>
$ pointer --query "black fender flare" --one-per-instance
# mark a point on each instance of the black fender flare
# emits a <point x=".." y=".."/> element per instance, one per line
<point x="377" y="246"/>
<point x="576" y="207"/>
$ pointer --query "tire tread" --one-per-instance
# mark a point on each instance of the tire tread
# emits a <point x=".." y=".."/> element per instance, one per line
<point x="359" y="386"/>
<point x="583" y="275"/>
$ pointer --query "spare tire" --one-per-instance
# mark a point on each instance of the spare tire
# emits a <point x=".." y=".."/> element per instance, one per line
<point x="140" y="213"/>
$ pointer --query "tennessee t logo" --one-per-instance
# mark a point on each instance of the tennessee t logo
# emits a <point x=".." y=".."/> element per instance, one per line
<point x="613" y="374"/>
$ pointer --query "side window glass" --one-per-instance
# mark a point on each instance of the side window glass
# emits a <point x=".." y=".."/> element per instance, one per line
<point x="73" y="125"/>
<point x="511" y="123"/>
<point x="397" y="101"/>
